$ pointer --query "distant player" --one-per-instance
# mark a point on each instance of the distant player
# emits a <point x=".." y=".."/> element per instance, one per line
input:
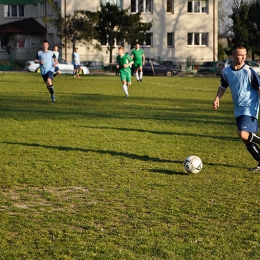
<point x="124" y="63"/>
<point x="139" y="60"/>
<point x="76" y="62"/>
<point x="48" y="62"/>
<point x="56" y="52"/>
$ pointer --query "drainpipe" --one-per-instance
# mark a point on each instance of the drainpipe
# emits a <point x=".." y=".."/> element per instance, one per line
<point x="214" y="31"/>
<point x="45" y="10"/>
<point x="65" y="12"/>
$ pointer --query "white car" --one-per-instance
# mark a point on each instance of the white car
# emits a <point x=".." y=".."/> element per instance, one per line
<point x="254" y="65"/>
<point x="64" y="66"/>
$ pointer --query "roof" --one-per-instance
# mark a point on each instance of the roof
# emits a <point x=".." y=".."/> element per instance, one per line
<point x="28" y="26"/>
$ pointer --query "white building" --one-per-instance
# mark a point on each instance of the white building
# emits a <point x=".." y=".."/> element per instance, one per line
<point x="181" y="29"/>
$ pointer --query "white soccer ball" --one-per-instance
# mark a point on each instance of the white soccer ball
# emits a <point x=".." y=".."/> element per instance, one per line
<point x="193" y="164"/>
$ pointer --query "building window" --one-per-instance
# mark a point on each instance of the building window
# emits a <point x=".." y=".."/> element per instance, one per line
<point x="169" y="6"/>
<point x="49" y="10"/>
<point x="149" y="40"/>
<point x="119" y="3"/>
<point x="35" y="10"/>
<point x="142" y="6"/>
<point x="4" y="41"/>
<point x="170" y="39"/>
<point x="42" y="9"/>
<point x="198" y="6"/>
<point x="13" y="10"/>
<point x="198" y="39"/>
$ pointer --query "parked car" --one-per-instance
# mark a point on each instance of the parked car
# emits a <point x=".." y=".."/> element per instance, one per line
<point x="92" y="65"/>
<point x="172" y="64"/>
<point x="254" y="65"/>
<point x="207" y="67"/>
<point x="220" y="67"/>
<point x="64" y="66"/>
<point x="153" y="67"/>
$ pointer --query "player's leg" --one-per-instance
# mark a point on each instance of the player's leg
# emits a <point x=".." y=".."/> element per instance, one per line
<point x="50" y="85"/>
<point x="56" y="71"/>
<point x="74" y="71"/>
<point x="247" y="127"/>
<point x="141" y="73"/>
<point x="123" y="79"/>
<point x="137" y="71"/>
<point x="128" y="82"/>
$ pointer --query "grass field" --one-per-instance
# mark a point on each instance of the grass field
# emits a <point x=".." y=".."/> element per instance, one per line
<point x="96" y="175"/>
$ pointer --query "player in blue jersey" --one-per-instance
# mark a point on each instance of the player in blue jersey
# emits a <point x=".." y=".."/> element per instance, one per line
<point x="244" y="85"/>
<point x="76" y="62"/>
<point x="48" y="62"/>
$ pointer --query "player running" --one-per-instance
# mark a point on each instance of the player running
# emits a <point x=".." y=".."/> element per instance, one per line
<point x="139" y="60"/>
<point x="48" y="62"/>
<point x="244" y="85"/>
<point x="124" y="63"/>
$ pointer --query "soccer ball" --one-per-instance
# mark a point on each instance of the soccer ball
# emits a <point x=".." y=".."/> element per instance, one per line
<point x="193" y="164"/>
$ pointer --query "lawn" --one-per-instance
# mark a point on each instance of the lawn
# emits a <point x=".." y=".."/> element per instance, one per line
<point x="96" y="175"/>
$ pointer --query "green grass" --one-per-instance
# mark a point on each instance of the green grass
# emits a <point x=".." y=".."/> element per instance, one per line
<point x="98" y="176"/>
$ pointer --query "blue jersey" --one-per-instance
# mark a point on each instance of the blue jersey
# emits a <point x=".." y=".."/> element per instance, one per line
<point x="75" y="55"/>
<point x="244" y="84"/>
<point x="47" y="57"/>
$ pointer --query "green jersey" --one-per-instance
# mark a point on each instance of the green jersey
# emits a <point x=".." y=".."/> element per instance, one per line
<point x="137" y="54"/>
<point x="124" y="60"/>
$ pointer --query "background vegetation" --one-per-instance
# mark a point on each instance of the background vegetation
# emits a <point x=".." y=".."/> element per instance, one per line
<point x="98" y="176"/>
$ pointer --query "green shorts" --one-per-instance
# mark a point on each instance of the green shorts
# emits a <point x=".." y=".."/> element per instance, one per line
<point x="125" y="75"/>
<point x="138" y="64"/>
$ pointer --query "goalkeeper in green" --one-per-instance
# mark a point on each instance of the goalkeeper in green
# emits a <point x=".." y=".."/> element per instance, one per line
<point x="139" y="60"/>
<point x="124" y="63"/>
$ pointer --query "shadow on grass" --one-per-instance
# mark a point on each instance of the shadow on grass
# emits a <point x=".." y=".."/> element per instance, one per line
<point x="112" y="153"/>
<point x="169" y="172"/>
<point x="115" y="153"/>
<point x="226" y="138"/>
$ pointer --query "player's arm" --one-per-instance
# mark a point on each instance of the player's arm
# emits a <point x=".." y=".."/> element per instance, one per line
<point x="130" y="63"/>
<point x="117" y="62"/>
<point x="55" y="62"/>
<point x="38" y="60"/>
<point x="132" y="56"/>
<point x="75" y="59"/>
<point x="143" y="57"/>
<point x="220" y="93"/>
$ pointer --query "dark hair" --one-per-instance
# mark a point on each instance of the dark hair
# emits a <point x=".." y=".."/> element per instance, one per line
<point x="237" y="46"/>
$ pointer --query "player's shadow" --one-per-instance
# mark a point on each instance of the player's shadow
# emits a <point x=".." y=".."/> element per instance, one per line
<point x="169" y="172"/>
<point x="226" y="138"/>
<point x="110" y="152"/>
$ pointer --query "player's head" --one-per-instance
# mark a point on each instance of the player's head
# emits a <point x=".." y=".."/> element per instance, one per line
<point x="120" y="50"/>
<point x="45" y="44"/>
<point x="137" y="46"/>
<point x="238" y="53"/>
<point x="237" y="46"/>
<point x="55" y="47"/>
<point x="76" y="49"/>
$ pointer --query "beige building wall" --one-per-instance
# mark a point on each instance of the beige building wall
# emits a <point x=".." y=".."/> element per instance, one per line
<point x="180" y="22"/>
